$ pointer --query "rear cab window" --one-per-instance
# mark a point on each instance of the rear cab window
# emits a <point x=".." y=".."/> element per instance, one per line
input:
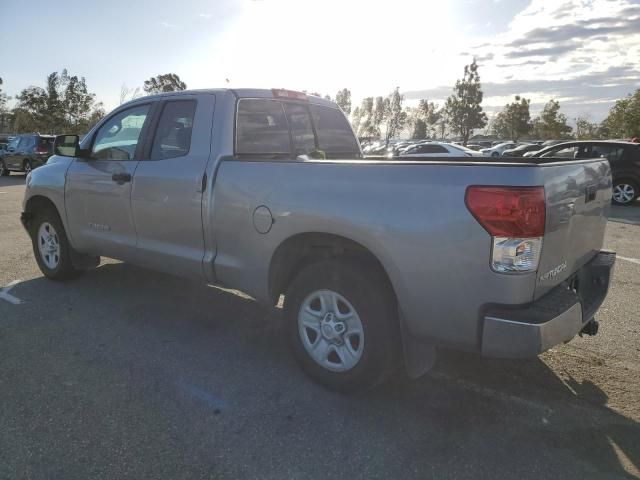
<point x="288" y="129"/>
<point x="262" y="128"/>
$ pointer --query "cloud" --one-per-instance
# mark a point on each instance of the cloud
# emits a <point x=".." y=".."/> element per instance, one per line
<point x="168" y="25"/>
<point x="606" y="85"/>
<point x="543" y="51"/>
<point x="580" y="30"/>
<point x="206" y="16"/>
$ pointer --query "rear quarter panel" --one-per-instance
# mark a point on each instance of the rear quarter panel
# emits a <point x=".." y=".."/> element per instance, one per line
<point x="412" y="217"/>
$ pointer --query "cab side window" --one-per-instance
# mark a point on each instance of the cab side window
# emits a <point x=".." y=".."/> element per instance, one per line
<point x="118" y="138"/>
<point x="173" y="134"/>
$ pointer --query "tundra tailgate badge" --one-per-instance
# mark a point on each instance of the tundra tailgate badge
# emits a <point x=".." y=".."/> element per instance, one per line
<point x="554" y="272"/>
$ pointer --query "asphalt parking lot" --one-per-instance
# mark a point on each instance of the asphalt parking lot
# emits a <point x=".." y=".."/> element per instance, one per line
<point x="126" y="373"/>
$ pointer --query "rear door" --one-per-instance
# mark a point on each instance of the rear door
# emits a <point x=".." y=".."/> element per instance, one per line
<point x="98" y="188"/>
<point x="168" y="185"/>
<point x="11" y="157"/>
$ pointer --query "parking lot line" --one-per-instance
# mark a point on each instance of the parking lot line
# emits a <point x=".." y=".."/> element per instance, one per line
<point x="5" y="295"/>
<point x="632" y="260"/>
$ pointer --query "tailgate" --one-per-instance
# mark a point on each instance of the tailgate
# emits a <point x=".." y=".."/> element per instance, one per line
<point x="578" y="196"/>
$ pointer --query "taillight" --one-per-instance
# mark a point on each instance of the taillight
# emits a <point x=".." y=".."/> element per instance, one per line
<point x="515" y="218"/>
<point x="289" y="94"/>
<point x="40" y="150"/>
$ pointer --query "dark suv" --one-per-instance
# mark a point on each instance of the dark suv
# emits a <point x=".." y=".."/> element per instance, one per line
<point x="26" y="152"/>
<point x="624" y="158"/>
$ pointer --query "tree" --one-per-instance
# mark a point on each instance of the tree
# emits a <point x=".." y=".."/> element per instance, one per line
<point x="587" y="130"/>
<point x="127" y="94"/>
<point x="442" y="121"/>
<point x="366" y="116"/>
<point x="419" y="130"/>
<point x="463" y="107"/>
<point x="65" y="105"/>
<point x="623" y="120"/>
<point x="343" y="99"/>
<point x="5" y="115"/>
<point x="379" y="113"/>
<point x="422" y="120"/>
<point x="514" y="120"/>
<point x="169" y="82"/>
<point x="394" y="114"/>
<point x="355" y="119"/>
<point x="551" y="124"/>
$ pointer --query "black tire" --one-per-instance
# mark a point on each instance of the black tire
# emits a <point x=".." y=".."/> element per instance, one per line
<point x="4" y="171"/>
<point x="27" y="166"/>
<point x="630" y="183"/>
<point x="370" y="294"/>
<point x="64" y="269"/>
<point x="495" y="154"/>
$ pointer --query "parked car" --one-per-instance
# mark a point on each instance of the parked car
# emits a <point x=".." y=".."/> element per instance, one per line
<point x="26" y="152"/>
<point x="268" y="194"/>
<point x="497" y="150"/>
<point x="474" y="146"/>
<point x="438" y="149"/>
<point x="520" y="150"/>
<point x="623" y="156"/>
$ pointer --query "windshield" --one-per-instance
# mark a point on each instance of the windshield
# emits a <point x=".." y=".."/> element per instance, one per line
<point x="462" y="148"/>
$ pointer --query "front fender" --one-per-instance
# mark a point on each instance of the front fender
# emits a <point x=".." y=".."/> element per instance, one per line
<point x="48" y="181"/>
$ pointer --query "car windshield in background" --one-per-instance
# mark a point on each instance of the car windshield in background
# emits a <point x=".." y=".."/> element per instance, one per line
<point x="462" y="148"/>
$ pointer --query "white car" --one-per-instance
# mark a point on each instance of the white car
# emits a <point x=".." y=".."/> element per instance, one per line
<point x="497" y="150"/>
<point x="438" y="149"/>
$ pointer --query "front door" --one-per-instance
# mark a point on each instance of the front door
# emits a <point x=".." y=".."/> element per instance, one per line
<point x="98" y="188"/>
<point x="168" y="186"/>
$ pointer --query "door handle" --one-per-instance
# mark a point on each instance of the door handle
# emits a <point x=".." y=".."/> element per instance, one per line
<point x="121" y="178"/>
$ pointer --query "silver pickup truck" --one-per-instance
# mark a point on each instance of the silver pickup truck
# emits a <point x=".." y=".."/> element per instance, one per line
<point x="379" y="262"/>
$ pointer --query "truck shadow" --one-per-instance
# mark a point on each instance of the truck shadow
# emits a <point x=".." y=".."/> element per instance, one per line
<point x="499" y="419"/>
<point x="629" y="214"/>
<point x="12" y="180"/>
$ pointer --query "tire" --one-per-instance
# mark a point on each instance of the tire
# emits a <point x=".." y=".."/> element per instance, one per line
<point x="625" y="192"/>
<point x="359" y="289"/>
<point x="27" y="166"/>
<point x="495" y="154"/>
<point x="50" y="246"/>
<point x="4" y="171"/>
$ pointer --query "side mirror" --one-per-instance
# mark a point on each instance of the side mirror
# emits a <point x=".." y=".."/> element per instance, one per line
<point x="67" y="145"/>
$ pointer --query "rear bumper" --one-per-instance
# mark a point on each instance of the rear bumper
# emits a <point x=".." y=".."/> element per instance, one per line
<point x="524" y="332"/>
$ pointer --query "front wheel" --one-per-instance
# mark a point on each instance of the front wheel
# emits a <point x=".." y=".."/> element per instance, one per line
<point x="342" y="324"/>
<point x="50" y="246"/>
<point x="495" y="154"/>
<point x="624" y="192"/>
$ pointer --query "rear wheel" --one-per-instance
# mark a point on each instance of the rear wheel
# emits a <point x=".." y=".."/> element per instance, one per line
<point x="50" y="246"/>
<point x="27" y="167"/>
<point x="341" y="323"/>
<point x="4" y="171"/>
<point x="625" y="192"/>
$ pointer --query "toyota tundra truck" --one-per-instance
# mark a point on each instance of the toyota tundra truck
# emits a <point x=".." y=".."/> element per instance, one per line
<point x="378" y="262"/>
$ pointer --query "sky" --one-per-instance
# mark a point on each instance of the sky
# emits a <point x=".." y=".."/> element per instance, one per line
<point x="584" y="53"/>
